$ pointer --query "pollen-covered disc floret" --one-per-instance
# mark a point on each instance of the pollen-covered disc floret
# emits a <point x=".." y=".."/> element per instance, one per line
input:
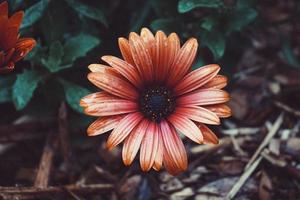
<point x="157" y="103"/>
<point x="151" y="95"/>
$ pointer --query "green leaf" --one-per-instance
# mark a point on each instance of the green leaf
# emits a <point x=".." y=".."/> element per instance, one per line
<point x="198" y="63"/>
<point x="5" y="95"/>
<point x="88" y="11"/>
<point x="54" y="58"/>
<point x="37" y="55"/>
<point x="188" y="5"/>
<point x="215" y="41"/>
<point x="138" y="19"/>
<point x="240" y="17"/>
<point x="73" y="94"/>
<point x="5" y="91"/>
<point x="78" y="46"/>
<point x="164" y="8"/>
<point x="34" y="13"/>
<point x="166" y="25"/>
<point x="53" y="18"/>
<point x="288" y="53"/>
<point x="244" y="3"/>
<point x="209" y="23"/>
<point x="14" y="4"/>
<point x="24" y="87"/>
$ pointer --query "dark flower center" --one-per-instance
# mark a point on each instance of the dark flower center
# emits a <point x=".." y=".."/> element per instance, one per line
<point x="157" y="102"/>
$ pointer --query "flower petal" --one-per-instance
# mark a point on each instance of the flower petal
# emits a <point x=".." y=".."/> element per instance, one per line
<point x="133" y="142"/>
<point x="159" y="154"/>
<point x="124" y="128"/>
<point x="7" y="68"/>
<point x="173" y="47"/>
<point x="104" y="69"/>
<point x="208" y="136"/>
<point x="113" y="84"/>
<point x="186" y="127"/>
<point x="124" y="68"/>
<point x="103" y="124"/>
<point x="170" y="164"/>
<point x="4" y="9"/>
<point x="221" y="110"/>
<point x="94" y="98"/>
<point x="183" y="61"/>
<point x="103" y="104"/>
<point x="149" y="40"/>
<point x="160" y="58"/>
<point x="196" y="79"/>
<point x="203" y="97"/>
<point x="16" y="19"/>
<point x="22" y="47"/>
<point x="218" y="82"/>
<point x="141" y="57"/>
<point x="198" y="114"/>
<point x="25" y="43"/>
<point x="149" y="147"/>
<point x="2" y="58"/>
<point x="125" y="50"/>
<point x="9" y="38"/>
<point x="8" y="55"/>
<point x="173" y="148"/>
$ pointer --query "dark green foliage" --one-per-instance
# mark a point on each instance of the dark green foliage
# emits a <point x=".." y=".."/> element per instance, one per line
<point x="5" y="92"/>
<point x="72" y="34"/>
<point x="61" y="41"/>
<point x="140" y="16"/>
<point x="289" y="54"/>
<point x="212" y="21"/>
<point x="33" y="13"/>
<point x="14" y="4"/>
<point x="73" y="94"/>
<point x="88" y="11"/>
<point x="188" y="5"/>
<point x="240" y="16"/>
<point x="168" y="25"/>
<point x="215" y="41"/>
<point x="24" y="87"/>
<point x="78" y="46"/>
<point x="54" y="59"/>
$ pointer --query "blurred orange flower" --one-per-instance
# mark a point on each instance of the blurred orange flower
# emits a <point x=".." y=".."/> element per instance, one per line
<point x="12" y="47"/>
<point x="152" y="95"/>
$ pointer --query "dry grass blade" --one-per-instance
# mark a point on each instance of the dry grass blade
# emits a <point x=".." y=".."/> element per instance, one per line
<point x="235" y="189"/>
<point x="224" y="142"/>
<point x="287" y="108"/>
<point x="241" y="131"/>
<point x="64" y="135"/>
<point x="266" y="140"/>
<point x="42" y="178"/>
<point x="38" y="192"/>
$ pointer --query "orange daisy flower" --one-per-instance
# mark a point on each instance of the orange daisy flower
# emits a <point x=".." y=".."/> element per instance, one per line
<point x="151" y="96"/>
<point x="12" y="47"/>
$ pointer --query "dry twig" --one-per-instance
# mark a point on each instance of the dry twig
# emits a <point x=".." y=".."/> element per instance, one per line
<point x="267" y="139"/>
<point x="224" y="142"/>
<point x="287" y="108"/>
<point x="39" y="192"/>
<point x="235" y="189"/>
<point x="64" y="135"/>
<point x="42" y="178"/>
<point x="241" y="131"/>
<point x="19" y="132"/>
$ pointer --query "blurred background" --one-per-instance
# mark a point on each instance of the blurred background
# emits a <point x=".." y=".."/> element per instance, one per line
<point x="43" y="140"/>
